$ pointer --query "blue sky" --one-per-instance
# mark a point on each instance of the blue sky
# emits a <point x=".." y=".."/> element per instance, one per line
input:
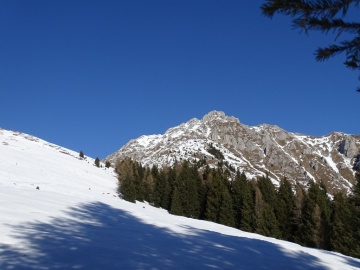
<point x="91" y="75"/>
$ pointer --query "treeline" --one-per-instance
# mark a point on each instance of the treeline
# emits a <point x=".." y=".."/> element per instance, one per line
<point x="309" y="218"/>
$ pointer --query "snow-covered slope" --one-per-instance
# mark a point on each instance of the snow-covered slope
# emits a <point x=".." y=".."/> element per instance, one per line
<point x="75" y="220"/>
<point x="256" y="151"/>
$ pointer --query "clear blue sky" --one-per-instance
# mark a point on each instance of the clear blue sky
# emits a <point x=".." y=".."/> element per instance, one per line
<point x="91" y="75"/>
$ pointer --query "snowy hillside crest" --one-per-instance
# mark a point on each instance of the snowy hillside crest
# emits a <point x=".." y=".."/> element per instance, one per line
<point x="255" y="150"/>
<point x="75" y="220"/>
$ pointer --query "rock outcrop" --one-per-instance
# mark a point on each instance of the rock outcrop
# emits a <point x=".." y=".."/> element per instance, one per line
<point x="258" y="150"/>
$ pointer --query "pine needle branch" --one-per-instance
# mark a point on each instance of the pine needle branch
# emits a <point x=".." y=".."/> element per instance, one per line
<point x="322" y="15"/>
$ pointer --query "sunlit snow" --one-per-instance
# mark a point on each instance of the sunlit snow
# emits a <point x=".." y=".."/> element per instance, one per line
<point x="58" y="211"/>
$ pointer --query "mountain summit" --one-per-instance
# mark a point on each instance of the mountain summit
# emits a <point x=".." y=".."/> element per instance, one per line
<point x="221" y="140"/>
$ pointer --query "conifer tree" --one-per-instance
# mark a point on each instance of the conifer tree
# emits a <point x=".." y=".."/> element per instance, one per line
<point x="97" y="162"/>
<point x="148" y="184"/>
<point x="236" y="195"/>
<point x="201" y="192"/>
<point x="176" y="208"/>
<point x="214" y="196"/>
<point x="325" y="16"/>
<point x="265" y="219"/>
<point x="171" y="179"/>
<point x="285" y="208"/>
<point x="124" y="167"/>
<point x="316" y="218"/>
<point x="226" y="214"/>
<point x="242" y="202"/>
<point x="356" y="190"/>
<point x="355" y="221"/>
<point x="268" y="190"/>
<point x="139" y="173"/>
<point x="271" y="222"/>
<point x="198" y="192"/>
<point x="127" y="189"/>
<point x="159" y="186"/>
<point x="259" y="208"/>
<point x="308" y="223"/>
<point x="342" y="239"/>
<point x="165" y="198"/>
<point x="271" y="206"/>
<point x="187" y="185"/>
<point x="297" y="215"/>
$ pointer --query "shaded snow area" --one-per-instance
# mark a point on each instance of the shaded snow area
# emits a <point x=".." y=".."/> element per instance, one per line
<point x="61" y="212"/>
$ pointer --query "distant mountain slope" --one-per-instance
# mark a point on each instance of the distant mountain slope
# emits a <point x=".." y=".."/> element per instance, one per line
<point x="255" y="150"/>
<point x="75" y="220"/>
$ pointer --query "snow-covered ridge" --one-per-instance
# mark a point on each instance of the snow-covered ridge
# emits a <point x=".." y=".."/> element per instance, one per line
<point x="58" y="211"/>
<point x="255" y="150"/>
<point x="49" y="164"/>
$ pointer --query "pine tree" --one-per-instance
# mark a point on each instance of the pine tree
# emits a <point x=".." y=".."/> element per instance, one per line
<point x="342" y="239"/>
<point x="159" y="186"/>
<point x="271" y="222"/>
<point x="226" y="214"/>
<point x="197" y="192"/>
<point x="242" y="202"/>
<point x="268" y="190"/>
<point x="355" y="220"/>
<point x="171" y="179"/>
<point x="285" y="208"/>
<point x="259" y="208"/>
<point x="201" y="192"/>
<point x="214" y="196"/>
<point x="81" y="154"/>
<point x="139" y="174"/>
<point x="97" y="162"/>
<point x="316" y="218"/>
<point x="307" y="224"/>
<point x="325" y="16"/>
<point x="187" y="185"/>
<point x="165" y="198"/>
<point x="176" y="208"/>
<point x="127" y="189"/>
<point x="356" y="191"/>
<point x="148" y="186"/>
<point x="296" y="216"/>
<point x="127" y="183"/>
<point x="265" y="218"/>
<point x="271" y="206"/>
<point x="236" y="195"/>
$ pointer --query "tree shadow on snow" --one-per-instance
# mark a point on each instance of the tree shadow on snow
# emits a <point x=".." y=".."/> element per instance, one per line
<point x="109" y="238"/>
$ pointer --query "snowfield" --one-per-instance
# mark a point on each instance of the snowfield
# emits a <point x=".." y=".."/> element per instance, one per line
<point x="58" y="211"/>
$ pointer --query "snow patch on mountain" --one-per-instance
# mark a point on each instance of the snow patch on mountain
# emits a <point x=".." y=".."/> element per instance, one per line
<point x="256" y="151"/>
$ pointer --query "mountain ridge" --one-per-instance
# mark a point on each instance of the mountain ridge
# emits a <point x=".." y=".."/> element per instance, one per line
<point x="255" y="150"/>
<point x="76" y="210"/>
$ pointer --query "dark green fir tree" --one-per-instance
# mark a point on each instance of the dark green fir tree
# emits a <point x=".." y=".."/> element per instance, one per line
<point x="97" y="162"/>
<point x="286" y="204"/>
<point x="242" y="200"/>
<point x="176" y="208"/>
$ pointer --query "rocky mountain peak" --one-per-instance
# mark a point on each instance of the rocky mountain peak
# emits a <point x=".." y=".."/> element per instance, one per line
<point x="258" y="150"/>
<point x="218" y="116"/>
<point x="213" y="115"/>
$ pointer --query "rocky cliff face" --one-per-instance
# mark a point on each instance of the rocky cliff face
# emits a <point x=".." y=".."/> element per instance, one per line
<point x="255" y="150"/>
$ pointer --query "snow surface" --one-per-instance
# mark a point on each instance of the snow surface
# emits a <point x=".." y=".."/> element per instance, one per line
<point x="75" y="220"/>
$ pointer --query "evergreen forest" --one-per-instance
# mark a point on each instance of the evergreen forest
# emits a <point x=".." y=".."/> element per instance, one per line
<point x="307" y="216"/>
